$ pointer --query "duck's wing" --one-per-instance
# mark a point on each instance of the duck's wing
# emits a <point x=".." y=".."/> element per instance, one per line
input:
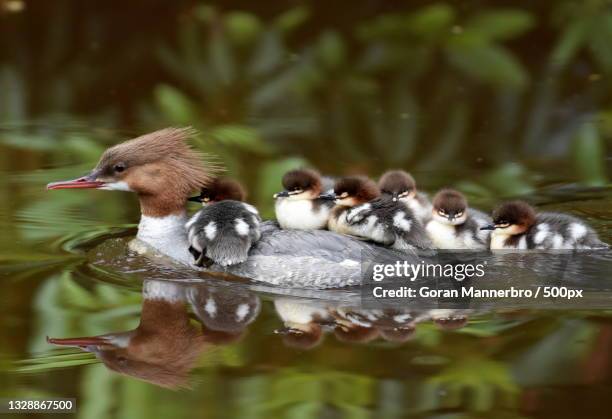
<point x="311" y="259"/>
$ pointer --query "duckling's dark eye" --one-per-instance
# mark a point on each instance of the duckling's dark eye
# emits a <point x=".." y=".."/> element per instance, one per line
<point x="119" y="167"/>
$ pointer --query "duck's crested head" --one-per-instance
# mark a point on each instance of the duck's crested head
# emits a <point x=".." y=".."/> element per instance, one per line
<point x="355" y="190"/>
<point x="221" y="189"/>
<point x="300" y="184"/>
<point x="514" y="217"/>
<point x="399" y="184"/>
<point x="450" y="207"/>
<point x="160" y="167"/>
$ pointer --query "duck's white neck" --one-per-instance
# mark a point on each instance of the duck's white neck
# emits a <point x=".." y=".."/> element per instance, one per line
<point x="167" y="235"/>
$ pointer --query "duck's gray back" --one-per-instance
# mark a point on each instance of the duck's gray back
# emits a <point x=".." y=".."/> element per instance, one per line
<point x="311" y="259"/>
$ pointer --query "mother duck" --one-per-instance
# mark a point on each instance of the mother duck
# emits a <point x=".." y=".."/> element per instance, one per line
<point x="163" y="170"/>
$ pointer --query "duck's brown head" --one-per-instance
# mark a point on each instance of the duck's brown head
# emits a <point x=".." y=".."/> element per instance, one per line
<point x="220" y="189"/>
<point x="160" y="167"/>
<point x="300" y="184"/>
<point x="512" y="218"/>
<point x="161" y="350"/>
<point x="397" y="184"/>
<point x="355" y="190"/>
<point x="450" y="207"/>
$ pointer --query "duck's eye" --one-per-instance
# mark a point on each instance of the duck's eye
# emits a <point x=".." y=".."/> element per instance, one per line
<point x="343" y="194"/>
<point x="502" y="224"/>
<point x="206" y="199"/>
<point x="442" y="212"/>
<point x="459" y="214"/>
<point x="118" y="168"/>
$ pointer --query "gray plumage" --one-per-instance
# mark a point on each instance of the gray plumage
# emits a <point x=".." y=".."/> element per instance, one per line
<point x="390" y="223"/>
<point x="309" y="259"/>
<point x="223" y="233"/>
<point x="561" y="231"/>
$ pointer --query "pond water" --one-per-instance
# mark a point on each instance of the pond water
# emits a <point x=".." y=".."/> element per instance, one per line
<point x="238" y="350"/>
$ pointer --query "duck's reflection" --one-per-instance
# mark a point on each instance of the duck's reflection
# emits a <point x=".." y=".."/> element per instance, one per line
<point x="165" y="346"/>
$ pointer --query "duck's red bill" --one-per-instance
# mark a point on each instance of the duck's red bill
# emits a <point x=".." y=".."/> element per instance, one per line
<point x="82" y="341"/>
<point x="80" y="183"/>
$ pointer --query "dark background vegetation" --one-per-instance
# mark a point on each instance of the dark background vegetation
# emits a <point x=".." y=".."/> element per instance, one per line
<point x="498" y="91"/>
<point x="497" y="98"/>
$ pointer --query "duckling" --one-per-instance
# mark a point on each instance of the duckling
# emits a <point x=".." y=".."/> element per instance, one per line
<point x="401" y="186"/>
<point x="302" y="206"/>
<point x="349" y="192"/>
<point x="302" y="322"/>
<point x="516" y="225"/>
<point x="361" y="212"/>
<point x="455" y="226"/>
<point x="225" y="228"/>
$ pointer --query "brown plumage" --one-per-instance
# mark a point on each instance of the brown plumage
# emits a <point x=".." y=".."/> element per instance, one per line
<point x="450" y="200"/>
<point x="515" y="213"/>
<point x="221" y="189"/>
<point x="302" y="179"/>
<point x="160" y="167"/>
<point x="360" y="188"/>
<point x="396" y="182"/>
<point x="162" y="349"/>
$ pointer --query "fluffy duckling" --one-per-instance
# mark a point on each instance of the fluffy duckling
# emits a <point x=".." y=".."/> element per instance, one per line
<point x="361" y="212"/>
<point x="401" y="186"/>
<point x="455" y="226"/>
<point x="225" y="228"/>
<point x="301" y="206"/>
<point x="516" y="225"/>
<point x="350" y="192"/>
<point x="302" y="322"/>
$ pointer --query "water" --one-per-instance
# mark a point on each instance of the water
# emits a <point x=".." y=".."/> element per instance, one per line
<point x="64" y="273"/>
<point x="499" y="100"/>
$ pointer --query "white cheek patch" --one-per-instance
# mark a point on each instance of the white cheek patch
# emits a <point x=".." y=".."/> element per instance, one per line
<point x="117" y="186"/>
<point x="242" y="228"/>
<point x="210" y="230"/>
<point x="400" y="221"/>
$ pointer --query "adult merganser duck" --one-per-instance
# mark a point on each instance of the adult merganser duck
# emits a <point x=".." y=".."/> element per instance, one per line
<point x="516" y="225"/>
<point x="455" y="226"/>
<point x="401" y="186"/>
<point x="224" y="230"/>
<point x="163" y="171"/>
<point x="361" y="212"/>
<point x="301" y="206"/>
<point x="162" y="349"/>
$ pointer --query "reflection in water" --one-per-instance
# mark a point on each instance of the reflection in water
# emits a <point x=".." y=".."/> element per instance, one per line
<point x="165" y="346"/>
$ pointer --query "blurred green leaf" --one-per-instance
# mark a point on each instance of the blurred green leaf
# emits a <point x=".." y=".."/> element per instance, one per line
<point x="331" y="50"/>
<point x="488" y="63"/>
<point x="242" y="137"/>
<point x="432" y="20"/>
<point x="175" y="106"/>
<point x="292" y="18"/>
<point x="501" y="24"/>
<point x="242" y="28"/>
<point x="589" y="155"/>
